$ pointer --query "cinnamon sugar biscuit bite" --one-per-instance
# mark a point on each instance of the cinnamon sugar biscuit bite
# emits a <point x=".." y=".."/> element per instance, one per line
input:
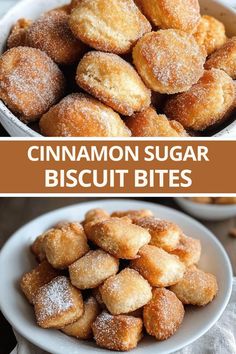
<point x="95" y="214"/>
<point x="224" y="58"/>
<point x="96" y="293"/>
<point x="32" y="281"/>
<point x="58" y="304"/>
<point x="113" y="81"/>
<point x="210" y="33"/>
<point x="18" y="35"/>
<point x="196" y="288"/>
<point x="163" y="315"/>
<point x="37" y="248"/>
<point x="164" y="234"/>
<point x="169" y="61"/>
<point x="82" y="328"/>
<point x="117" y="332"/>
<point x="179" y="14"/>
<point x="30" y="82"/>
<point x="108" y="25"/>
<point x="149" y="123"/>
<point x="58" y="241"/>
<point x="125" y="292"/>
<point x="188" y="250"/>
<point x="92" y="269"/>
<point x="51" y="33"/>
<point x="160" y="268"/>
<point x="118" y="237"/>
<point x="132" y="214"/>
<point x="81" y="115"/>
<point x="207" y="103"/>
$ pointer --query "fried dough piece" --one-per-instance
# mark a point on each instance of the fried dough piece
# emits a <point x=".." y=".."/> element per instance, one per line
<point x="169" y="61"/>
<point x="163" y="315"/>
<point x="178" y="14"/>
<point x="114" y="82"/>
<point x="188" y="250"/>
<point x="82" y="328"/>
<point x="37" y="248"/>
<point x="95" y="214"/>
<point x="51" y="33"/>
<point x="224" y="58"/>
<point x="30" y="82"/>
<point x="225" y="200"/>
<point x="79" y="115"/>
<point x="65" y="245"/>
<point x="164" y="234"/>
<point x="58" y="304"/>
<point x="91" y="270"/>
<point x="118" y="237"/>
<point x="207" y="103"/>
<point x="149" y="123"/>
<point x="18" y="35"/>
<point x="196" y="288"/>
<point x="132" y="214"/>
<point x="210" y="33"/>
<point x="117" y="332"/>
<point x="32" y="281"/>
<point x="108" y="25"/>
<point x="160" y="268"/>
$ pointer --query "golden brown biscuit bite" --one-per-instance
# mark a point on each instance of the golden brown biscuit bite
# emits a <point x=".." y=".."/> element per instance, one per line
<point x="92" y="269"/>
<point x="58" y="304"/>
<point x="117" y="332"/>
<point x="196" y="288"/>
<point x="224" y="58"/>
<point x="51" y="33"/>
<point x="178" y="14"/>
<point x="37" y="248"/>
<point x="163" y="314"/>
<point x="30" y="82"/>
<point x="188" y="250"/>
<point x="207" y="103"/>
<point x="169" y="61"/>
<point x="81" y="115"/>
<point x="160" y="268"/>
<point x="108" y="25"/>
<point x="149" y="123"/>
<point x="82" y="328"/>
<point x="210" y="33"/>
<point x="125" y="292"/>
<point x="113" y="81"/>
<point x="95" y="214"/>
<point x="57" y="242"/>
<point x="18" y="35"/>
<point x="118" y="237"/>
<point x="132" y="214"/>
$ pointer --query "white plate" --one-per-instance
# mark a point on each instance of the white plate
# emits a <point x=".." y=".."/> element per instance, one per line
<point x="33" y="8"/>
<point x="15" y="259"/>
<point x="207" y="211"/>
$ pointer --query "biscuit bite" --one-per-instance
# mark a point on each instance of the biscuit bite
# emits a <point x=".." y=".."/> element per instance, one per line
<point x="118" y="237"/>
<point x="210" y="33"/>
<point x="164" y="234"/>
<point x="92" y="269"/>
<point x="188" y="250"/>
<point x="108" y="25"/>
<point x="196" y="287"/>
<point x="169" y="61"/>
<point x="97" y="295"/>
<point x="37" y="248"/>
<point x="125" y="292"/>
<point x="58" y="304"/>
<point x="32" y="281"/>
<point x="95" y="214"/>
<point x="132" y="214"/>
<point x="65" y="245"/>
<point x="163" y="315"/>
<point x="160" y="268"/>
<point x="18" y="35"/>
<point x="120" y="333"/>
<point x="149" y="123"/>
<point x="207" y="103"/>
<point x="82" y="328"/>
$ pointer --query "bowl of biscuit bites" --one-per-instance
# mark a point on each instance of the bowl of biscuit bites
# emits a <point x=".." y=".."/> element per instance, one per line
<point x="145" y="278"/>
<point x="107" y="68"/>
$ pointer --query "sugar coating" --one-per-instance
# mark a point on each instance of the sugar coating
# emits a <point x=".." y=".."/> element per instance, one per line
<point x="18" y="35"/>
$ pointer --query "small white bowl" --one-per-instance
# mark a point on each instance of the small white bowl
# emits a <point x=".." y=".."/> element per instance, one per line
<point x="33" y="8"/>
<point x="215" y="212"/>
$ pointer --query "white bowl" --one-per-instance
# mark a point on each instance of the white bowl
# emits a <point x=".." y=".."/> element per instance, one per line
<point x="15" y="259"/>
<point x="33" y="8"/>
<point x="214" y="212"/>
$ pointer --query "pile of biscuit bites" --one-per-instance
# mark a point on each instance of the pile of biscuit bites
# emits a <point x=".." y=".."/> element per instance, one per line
<point x="111" y="68"/>
<point x="112" y="276"/>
